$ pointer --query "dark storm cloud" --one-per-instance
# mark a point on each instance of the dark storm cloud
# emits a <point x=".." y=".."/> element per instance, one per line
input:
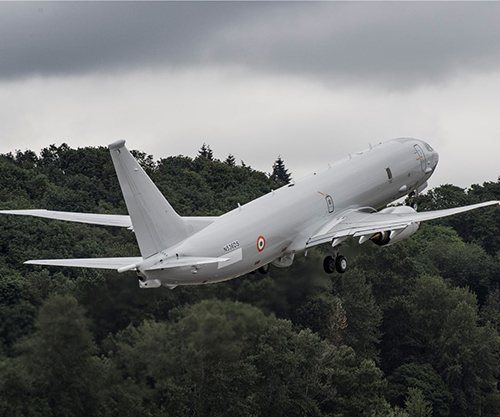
<point x="78" y="37"/>
<point x="392" y="43"/>
<point x="395" y="44"/>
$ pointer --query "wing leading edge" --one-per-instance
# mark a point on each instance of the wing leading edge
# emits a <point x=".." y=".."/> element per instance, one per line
<point x="356" y="223"/>
<point x="90" y="218"/>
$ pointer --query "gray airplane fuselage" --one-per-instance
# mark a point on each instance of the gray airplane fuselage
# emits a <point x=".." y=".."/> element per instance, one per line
<point x="279" y="224"/>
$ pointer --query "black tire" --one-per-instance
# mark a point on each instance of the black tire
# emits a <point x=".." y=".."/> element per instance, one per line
<point x="264" y="269"/>
<point x="341" y="264"/>
<point x="329" y="264"/>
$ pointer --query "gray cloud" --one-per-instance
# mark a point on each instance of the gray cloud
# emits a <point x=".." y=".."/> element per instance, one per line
<point x="78" y="37"/>
<point x="389" y="43"/>
<point x="392" y="44"/>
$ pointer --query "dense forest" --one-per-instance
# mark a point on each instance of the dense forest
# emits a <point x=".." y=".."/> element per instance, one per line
<point x="409" y="330"/>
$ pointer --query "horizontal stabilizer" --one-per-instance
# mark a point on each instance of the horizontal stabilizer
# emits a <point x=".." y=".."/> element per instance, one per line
<point x="102" y="263"/>
<point x="90" y="218"/>
<point x="193" y="223"/>
<point x="186" y="261"/>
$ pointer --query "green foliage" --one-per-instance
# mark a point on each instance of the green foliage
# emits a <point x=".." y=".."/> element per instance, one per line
<point x="479" y="227"/>
<point x="206" y="152"/>
<point x="280" y="175"/>
<point x="56" y="368"/>
<point x="416" y="405"/>
<point x="221" y="358"/>
<point x="429" y="384"/>
<point x="230" y="160"/>
<point x="407" y="329"/>
<point x="363" y="315"/>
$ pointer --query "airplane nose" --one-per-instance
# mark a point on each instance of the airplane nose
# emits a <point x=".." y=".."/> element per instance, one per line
<point x="433" y="159"/>
<point x="432" y="156"/>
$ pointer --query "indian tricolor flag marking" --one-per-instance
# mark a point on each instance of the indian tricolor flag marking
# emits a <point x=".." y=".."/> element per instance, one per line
<point x="261" y="243"/>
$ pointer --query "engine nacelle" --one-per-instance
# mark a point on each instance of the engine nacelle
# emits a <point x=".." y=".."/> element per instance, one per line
<point x="389" y="237"/>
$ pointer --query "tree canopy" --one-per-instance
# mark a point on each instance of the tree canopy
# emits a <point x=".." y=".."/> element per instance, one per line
<point x="408" y="330"/>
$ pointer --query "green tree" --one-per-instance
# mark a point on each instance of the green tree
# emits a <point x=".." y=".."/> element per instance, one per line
<point x="465" y="353"/>
<point x="280" y="175"/>
<point x="490" y="312"/>
<point x="470" y="362"/>
<point x="416" y="405"/>
<point x="59" y="362"/>
<point x="206" y="152"/>
<point x="424" y="378"/>
<point x="230" y="160"/>
<point x="359" y="385"/>
<point x="363" y="315"/>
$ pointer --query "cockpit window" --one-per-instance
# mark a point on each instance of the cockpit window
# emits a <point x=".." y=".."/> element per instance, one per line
<point x="429" y="147"/>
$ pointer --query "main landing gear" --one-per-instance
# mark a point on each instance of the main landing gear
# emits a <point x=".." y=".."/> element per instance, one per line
<point x="263" y="270"/>
<point x="335" y="263"/>
<point x="411" y="202"/>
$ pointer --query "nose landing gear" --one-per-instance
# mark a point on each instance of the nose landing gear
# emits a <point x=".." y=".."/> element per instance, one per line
<point x="335" y="263"/>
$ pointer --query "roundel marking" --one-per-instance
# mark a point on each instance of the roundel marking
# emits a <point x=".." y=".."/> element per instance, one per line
<point x="261" y="243"/>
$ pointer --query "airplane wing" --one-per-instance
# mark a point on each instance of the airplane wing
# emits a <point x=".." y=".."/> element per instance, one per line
<point x="359" y="223"/>
<point x="102" y="263"/>
<point x="196" y="223"/>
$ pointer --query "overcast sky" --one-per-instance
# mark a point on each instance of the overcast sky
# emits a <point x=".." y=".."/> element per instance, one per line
<point x="311" y="82"/>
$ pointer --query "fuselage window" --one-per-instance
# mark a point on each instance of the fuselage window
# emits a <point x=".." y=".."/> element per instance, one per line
<point x="389" y="173"/>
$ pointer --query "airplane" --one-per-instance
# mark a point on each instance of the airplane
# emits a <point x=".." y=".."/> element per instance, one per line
<point x="329" y="206"/>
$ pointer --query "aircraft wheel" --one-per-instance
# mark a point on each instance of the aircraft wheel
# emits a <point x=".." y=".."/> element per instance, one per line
<point x="411" y="202"/>
<point x="329" y="264"/>
<point x="341" y="264"/>
<point x="264" y="269"/>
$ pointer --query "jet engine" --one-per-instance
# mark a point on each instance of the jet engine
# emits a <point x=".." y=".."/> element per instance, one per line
<point x="389" y="237"/>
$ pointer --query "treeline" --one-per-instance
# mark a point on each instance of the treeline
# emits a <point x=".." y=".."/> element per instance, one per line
<point x="409" y="330"/>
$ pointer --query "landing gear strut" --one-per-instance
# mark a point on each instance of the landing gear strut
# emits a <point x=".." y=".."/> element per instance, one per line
<point x="411" y="201"/>
<point x="335" y="263"/>
<point x="263" y="270"/>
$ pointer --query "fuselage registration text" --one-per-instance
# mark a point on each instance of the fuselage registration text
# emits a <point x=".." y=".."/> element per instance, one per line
<point x="231" y="246"/>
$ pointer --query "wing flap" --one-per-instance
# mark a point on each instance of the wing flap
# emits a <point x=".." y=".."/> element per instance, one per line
<point x="101" y="263"/>
<point x="356" y="223"/>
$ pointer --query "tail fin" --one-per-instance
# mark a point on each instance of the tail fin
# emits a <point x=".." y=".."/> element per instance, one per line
<point x="156" y="225"/>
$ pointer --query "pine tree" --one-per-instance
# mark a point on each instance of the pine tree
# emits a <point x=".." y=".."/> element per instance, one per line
<point x="230" y="160"/>
<point x="416" y="405"/>
<point x="206" y="152"/>
<point x="280" y="174"/>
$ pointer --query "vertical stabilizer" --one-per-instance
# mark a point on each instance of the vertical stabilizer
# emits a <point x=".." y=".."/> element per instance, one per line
<point x="156" y="225"/>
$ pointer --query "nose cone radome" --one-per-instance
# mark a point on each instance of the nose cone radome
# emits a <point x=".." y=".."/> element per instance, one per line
<point x="432" y="155"/>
